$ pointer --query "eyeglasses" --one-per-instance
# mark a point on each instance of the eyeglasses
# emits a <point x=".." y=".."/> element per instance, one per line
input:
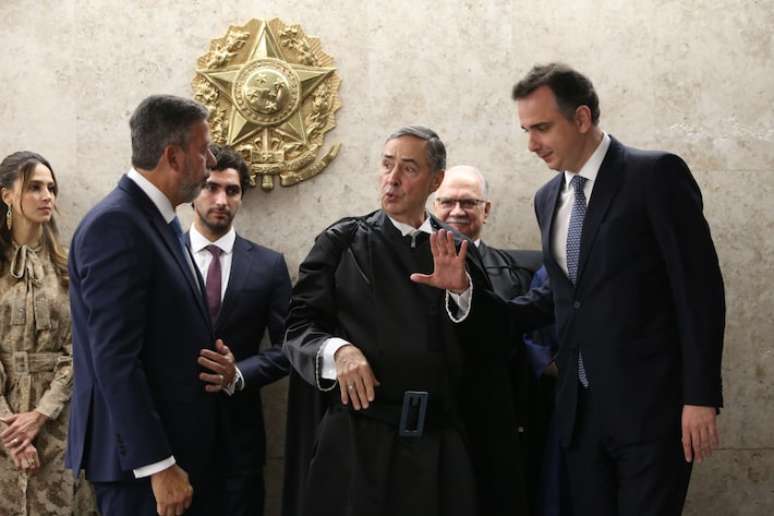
<point x="448" y="203"/>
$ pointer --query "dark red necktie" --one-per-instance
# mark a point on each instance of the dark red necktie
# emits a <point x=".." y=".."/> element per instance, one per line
<point x="212" y="283"/>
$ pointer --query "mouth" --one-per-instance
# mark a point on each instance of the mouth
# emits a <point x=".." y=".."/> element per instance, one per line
<point x="457" y="222"/>
<point x="46" y="209"/>
<point x="546" y="156"/>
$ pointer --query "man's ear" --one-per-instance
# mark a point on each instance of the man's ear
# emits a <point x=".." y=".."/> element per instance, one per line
<point x="173" y="155"/>
<point x="583" y="119"/>
<point x="487" y="209"/>
<point x="437" y="180"/>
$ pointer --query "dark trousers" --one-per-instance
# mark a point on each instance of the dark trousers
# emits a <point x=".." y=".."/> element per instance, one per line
<point x="135" y="498"/>
<point x="244" y="493"/>
<point x="610" y="476"/>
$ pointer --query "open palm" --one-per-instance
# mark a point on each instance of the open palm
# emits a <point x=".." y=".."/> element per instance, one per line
<point x="448" y="264"/>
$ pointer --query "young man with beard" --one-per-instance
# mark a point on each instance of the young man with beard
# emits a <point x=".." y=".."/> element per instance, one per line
<point x="248" y="292"/>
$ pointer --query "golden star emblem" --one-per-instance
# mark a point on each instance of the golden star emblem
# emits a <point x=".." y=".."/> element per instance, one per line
<point x="271" y="93"/>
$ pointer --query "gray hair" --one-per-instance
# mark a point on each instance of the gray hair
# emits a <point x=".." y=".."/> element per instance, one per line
<point x="469" y="169"/>
<point x="436" y="150"/>
<point x="158" y="121"/>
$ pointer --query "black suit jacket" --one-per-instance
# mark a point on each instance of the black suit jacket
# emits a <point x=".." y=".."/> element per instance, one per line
<point x="648" y="310"/>
<point x="257" y="299"/>
<point x="139" y="322"/>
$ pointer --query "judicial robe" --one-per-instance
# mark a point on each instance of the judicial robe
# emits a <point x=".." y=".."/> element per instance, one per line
<point x="355" y="284"/>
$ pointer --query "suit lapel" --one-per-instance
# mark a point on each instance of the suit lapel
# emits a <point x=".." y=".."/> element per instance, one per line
<point x="167" y="236"/>
<point x="240" y="272"/>
<point x="608" y="182"/>
<point x="548" y="211"/>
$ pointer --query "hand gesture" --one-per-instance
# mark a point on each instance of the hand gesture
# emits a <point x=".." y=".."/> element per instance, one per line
<point x="448" y="266"/>
<point x="221" y="363"/>
<point x="26" y="459"/>
<point x="172" y="491"/>
<point x="356" y="379"/>
<point x="700" y="435"/>
<point x="22" y="429"/>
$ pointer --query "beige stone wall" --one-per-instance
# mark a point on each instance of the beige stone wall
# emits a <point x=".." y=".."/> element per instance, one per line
<point x="690" y="76"/>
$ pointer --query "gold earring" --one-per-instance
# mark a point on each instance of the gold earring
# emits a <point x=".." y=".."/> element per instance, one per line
<point x="9" y="218"/>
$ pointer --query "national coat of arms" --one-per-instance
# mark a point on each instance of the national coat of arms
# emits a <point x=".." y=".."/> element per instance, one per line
<point x="272" y="95"/>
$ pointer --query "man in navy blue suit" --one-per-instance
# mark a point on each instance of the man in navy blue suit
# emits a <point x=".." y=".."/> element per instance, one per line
<point x="638" y="298"/>
<point x="248" y="292"/>
<point x="145" y="417"/>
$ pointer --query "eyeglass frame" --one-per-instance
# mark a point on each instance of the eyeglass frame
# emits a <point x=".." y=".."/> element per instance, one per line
<point x="465" y="204"/>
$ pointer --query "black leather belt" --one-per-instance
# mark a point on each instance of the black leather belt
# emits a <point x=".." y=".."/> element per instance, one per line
<point x="416" y="414"/>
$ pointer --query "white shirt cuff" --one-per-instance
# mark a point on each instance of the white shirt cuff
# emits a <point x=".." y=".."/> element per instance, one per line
<point x="237" y="384"/>
<point x="329" y="349"/>
<point x="463" y="302"/>
<point x="152" y="469"/>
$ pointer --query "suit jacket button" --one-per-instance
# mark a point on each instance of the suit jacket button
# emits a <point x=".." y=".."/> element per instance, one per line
<point x="576" y="305"/>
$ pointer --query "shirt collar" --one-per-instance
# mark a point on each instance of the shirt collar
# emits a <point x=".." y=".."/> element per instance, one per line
<point x="590" y="169"/>
<point x="407" y="229"/>
<point x="199" y="241"/>
<point x="156" y="196"/>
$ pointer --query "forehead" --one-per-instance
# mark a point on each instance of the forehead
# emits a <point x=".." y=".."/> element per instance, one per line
<point x="41" y="173"/>
<point x="460" y="184"/>
<point x="228" y="176"/>
<point x="537" y="106"/>
<point x="407" y="148"/>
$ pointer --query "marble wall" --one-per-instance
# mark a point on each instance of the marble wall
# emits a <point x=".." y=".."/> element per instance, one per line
<point x="689" y="76"/>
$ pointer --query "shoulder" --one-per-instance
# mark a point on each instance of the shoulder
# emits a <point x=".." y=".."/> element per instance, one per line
<point x="551" y="185"/>
<point x="258" y="251"/>
<point x="344" y="230"/>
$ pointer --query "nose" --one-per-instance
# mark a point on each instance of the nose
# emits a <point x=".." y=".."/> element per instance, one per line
<point x="457" y="209"/>
<point x="220" y="197"/>
<point x="393" y="177"/>
<point x="532" y="142"/>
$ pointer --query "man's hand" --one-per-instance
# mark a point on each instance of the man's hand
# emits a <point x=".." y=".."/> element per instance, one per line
<point x="700" y="435"/>
<point x="27" y="459"/>
<point x="356" y="380"/>
<point x="448" y="266"/>
<point x="551" y="370"/>
<point x="221" y="364"/>
<point x="172" y="491"/>
<point x="22" y="429"/>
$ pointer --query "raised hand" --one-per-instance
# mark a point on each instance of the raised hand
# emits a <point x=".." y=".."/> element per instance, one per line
<point x="448" y="265"/>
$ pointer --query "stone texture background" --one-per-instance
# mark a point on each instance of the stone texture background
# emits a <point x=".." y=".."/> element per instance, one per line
<point x="689" y="76"/>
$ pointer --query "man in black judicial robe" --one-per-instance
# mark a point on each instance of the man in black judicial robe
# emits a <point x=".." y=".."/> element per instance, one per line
<point x="462" y="201"/>
<point x="361" y="330"/>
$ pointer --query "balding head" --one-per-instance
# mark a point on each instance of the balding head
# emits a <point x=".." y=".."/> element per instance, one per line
<point x="461" y="200"/>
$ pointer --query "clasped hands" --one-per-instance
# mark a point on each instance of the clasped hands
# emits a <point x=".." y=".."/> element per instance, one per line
<point x="221" y="363"/>
<point x="18" y="436"/>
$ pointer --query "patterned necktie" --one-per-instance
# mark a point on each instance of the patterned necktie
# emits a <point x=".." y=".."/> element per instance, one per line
<point x="213" y="283"/>
<point x="174" y="224"/>
<point x="573" y="249"/>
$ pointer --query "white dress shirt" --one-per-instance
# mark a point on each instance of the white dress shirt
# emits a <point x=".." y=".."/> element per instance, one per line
<point x="561" y="223"/>
<point x="331" y="345"/>
<point x="167" y="213"/>
<point x="203" y="259"/>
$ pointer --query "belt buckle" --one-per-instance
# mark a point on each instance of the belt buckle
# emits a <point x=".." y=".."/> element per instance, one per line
<point x="21" y="362"/>
<point x="414" y="403"/>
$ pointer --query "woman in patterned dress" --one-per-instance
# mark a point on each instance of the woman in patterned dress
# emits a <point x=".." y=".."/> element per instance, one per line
<point x="35" y="344"/>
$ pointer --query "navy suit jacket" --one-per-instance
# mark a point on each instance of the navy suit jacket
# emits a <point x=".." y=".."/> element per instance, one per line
<point x="257" y="298"/>
<point x="648" y="309"/>
<point x="139" y="322"/>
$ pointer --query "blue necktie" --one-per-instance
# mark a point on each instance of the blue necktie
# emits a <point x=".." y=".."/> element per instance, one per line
<point x="177" y="229"/>
<point x="573" y="249"/>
